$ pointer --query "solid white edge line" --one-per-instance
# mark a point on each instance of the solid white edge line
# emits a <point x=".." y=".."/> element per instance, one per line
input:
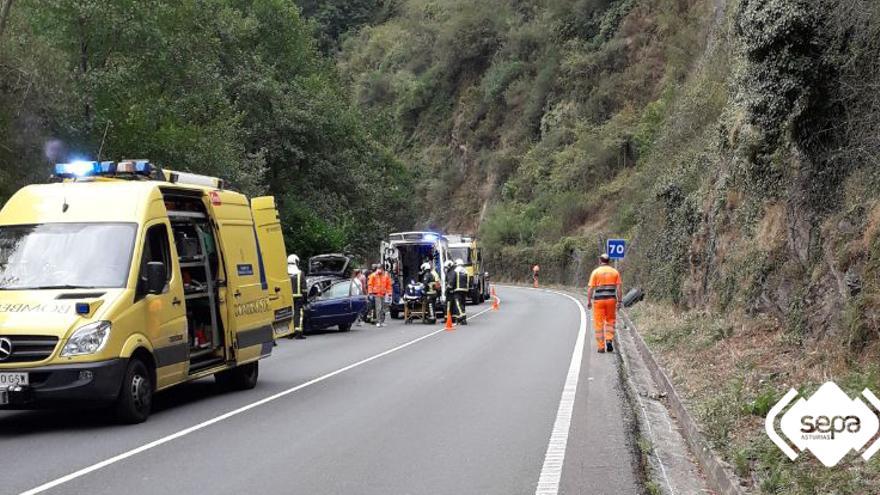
<point x="551" y="471"/>
<point x="192" y="429"/>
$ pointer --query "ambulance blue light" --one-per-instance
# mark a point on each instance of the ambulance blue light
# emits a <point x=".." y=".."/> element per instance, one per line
<point x="79" y="168"/>
<point x="143" y="167"/>
<point x="431" y="237"/>
<point x="85" y="168"/>
<point x="83" y="308"/>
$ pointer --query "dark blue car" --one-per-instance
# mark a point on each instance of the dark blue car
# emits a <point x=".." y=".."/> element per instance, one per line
<point x="337" y="305"/>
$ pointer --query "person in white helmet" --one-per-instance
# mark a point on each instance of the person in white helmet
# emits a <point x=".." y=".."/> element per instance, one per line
<point x="298" y="281"/>
<point x="457" y="288"/>
<point x="431" y="280"/>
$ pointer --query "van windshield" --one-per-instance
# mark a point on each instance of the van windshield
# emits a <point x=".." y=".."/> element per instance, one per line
<point x="461" y="253"/>
<point x="65" y="255"/>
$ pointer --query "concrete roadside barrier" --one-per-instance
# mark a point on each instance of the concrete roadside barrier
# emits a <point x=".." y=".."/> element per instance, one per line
<point x="718" y="477"/>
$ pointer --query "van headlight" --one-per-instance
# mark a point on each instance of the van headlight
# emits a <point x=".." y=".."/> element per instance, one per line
<point x="87" y="339"/>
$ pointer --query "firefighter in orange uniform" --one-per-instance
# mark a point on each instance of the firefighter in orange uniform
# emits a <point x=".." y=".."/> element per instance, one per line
<point x="603" y="297"/>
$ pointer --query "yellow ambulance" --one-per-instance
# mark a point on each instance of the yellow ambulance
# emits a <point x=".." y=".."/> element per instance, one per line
<point x="466" y="248"/>
<point x="119" y="280"/>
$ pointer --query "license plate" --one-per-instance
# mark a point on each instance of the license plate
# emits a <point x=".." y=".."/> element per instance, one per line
<point x="9" y="380"/>
<point x="4" y="397"/>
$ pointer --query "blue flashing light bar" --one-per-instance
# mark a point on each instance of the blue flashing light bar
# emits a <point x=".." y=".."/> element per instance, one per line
<point x="79" y="168"/>
<point x="83" y="168"/>
<point x="431" y="237"/>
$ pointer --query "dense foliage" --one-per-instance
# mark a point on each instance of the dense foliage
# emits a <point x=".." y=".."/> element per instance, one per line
<point x="234" y="88"/>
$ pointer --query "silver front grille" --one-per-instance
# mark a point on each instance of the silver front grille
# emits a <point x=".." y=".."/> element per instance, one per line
<point x="28" y="348"/>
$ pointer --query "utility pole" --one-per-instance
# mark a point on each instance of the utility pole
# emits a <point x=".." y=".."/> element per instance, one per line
<point x="4" y="14"/>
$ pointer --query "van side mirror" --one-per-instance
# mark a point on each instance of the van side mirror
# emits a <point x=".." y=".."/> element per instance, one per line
<point x="157" y="275"/>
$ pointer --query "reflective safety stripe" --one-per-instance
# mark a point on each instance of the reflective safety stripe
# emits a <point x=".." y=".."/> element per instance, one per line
<point x="605" y="292"/>
<point x="297" y="285"/>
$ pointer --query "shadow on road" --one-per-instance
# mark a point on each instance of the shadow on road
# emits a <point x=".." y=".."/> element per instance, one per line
<point x="21" y="423"/>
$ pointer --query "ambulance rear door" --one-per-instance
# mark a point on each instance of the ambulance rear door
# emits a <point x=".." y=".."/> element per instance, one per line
<point x="274" y="256"/>
<point x="246" y="293"/>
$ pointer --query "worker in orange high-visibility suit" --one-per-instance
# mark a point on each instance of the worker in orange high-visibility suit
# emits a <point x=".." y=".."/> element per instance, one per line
<point x="603" y="297"/>
<point x="380" y="288"/>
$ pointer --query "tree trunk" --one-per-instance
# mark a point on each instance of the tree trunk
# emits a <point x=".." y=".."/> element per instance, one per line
<point x="84" y="67"/>
<point x="4" y="14"/>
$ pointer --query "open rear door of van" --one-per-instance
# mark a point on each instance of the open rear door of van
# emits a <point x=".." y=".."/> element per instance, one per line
<point x="271" y="241"/>
<point x="245" y="294"/>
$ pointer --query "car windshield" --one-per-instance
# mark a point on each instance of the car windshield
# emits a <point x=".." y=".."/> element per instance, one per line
<point x="65" y="255"/>
<point x="463" y="253"/>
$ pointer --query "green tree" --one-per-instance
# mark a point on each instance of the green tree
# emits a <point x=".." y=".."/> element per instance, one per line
<point x="234" y="88"/>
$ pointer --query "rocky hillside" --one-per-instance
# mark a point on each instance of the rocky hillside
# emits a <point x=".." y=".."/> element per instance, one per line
<point x="733" y="142"/>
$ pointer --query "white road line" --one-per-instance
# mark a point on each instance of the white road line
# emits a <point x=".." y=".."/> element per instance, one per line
<point x="192" y="429"/>
<point x="551" y="472"/>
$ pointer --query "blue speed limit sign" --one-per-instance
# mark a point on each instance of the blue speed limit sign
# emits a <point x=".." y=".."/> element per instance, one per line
<point x="616" y="248"/>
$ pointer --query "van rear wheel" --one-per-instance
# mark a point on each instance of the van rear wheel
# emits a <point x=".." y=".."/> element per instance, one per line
<point x="136" y="395"/>
<point x="242" y="377"/>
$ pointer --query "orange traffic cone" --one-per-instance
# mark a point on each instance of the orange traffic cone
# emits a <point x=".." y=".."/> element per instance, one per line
<point x="495" y="304"/>
<point x="448" y="326"/>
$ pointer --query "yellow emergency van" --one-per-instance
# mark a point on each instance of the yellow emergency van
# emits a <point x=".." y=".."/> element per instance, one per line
<point x="119" y="280"/>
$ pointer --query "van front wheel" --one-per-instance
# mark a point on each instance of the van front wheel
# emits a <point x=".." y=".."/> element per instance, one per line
<point x="242" y="377"/>
<point x="136" y="396"/>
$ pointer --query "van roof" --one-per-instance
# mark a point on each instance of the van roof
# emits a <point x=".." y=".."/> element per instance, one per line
<point x="417" y="237"/>
<point x="458" y="240"/>
<point x="93" y="200"/>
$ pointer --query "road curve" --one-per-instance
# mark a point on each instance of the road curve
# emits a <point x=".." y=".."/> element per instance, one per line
<point x="463" y="412"/>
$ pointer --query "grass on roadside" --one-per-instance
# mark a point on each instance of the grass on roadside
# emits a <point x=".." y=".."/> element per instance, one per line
<point x="731" y="371"/>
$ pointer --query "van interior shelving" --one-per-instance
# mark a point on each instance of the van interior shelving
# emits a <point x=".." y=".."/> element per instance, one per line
<point x="200" y="269"/>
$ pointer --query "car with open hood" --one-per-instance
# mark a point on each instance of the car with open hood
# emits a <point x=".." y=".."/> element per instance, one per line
<point x="325" y="269"/>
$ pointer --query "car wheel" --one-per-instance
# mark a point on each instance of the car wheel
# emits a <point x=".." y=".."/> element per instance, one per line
<point x="136" y="396"/>
<point x="242" y="377"/>
<point x="344" y="328"/>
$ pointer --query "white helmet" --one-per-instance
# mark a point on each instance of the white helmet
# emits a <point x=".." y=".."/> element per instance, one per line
<point x="425" y="267"/>
<point x="293" y="260"/>
<point x="459" y="262"/>
<point x="449" y="264"/>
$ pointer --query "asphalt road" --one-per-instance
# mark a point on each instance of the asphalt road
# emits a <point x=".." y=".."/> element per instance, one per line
<point x="463" y="412"/>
